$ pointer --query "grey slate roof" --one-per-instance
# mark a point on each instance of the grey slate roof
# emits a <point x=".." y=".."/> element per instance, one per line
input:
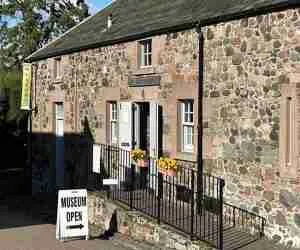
<point x="134" y="19"/>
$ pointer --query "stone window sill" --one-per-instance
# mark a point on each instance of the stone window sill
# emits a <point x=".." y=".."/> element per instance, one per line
<point x="144" y="71"/>
<point x="186" y="156"/>
<point x="57" y="80"/>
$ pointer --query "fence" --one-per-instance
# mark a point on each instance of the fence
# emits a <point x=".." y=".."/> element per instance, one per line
<point x="173" y="200"/>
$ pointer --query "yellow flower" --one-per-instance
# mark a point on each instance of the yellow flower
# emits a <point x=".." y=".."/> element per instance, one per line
<point x="167" y="164"/>
<point x="138" y="154"/>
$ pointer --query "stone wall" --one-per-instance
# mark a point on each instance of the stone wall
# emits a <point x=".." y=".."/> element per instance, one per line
<point x="246" y="63"/>
<point x="93" y="77"/>
<point x="136" y="226"/>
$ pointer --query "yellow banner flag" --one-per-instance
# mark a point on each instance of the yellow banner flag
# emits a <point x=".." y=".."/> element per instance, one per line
<point x="26" y="87"/>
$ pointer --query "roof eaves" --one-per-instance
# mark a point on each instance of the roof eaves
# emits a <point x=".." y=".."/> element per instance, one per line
<point x="132" y="37"/>
<point x="206" y="22"/>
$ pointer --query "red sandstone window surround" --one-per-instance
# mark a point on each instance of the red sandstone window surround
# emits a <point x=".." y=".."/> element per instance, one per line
<point x="57" y="72"/>
<point x="288" y="139"/>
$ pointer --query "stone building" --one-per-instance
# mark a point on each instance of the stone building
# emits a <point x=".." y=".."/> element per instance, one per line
<point x="143" y="56"/>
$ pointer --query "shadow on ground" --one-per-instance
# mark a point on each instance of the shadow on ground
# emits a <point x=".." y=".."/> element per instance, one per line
<point x="24" y="210"/>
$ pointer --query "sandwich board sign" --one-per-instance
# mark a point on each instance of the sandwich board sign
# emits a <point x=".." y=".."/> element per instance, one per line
<point x="72" y="214"/>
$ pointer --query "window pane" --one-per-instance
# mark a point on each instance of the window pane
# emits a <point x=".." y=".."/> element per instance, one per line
<point x="55" y="69"/>
<point x="149" y="59"/>
<point x="113" y="132"/>
<point x="190" y="117"/>
<point x="145" y="47"/>
<point x="186" y="117"/>
<point x="191" y="135"/>
<point x="149" y="46"/>
<point x="142" y="59"/>
<point x="59" y="110"/>
<point x="186" y="107"/>
<point x="188" y="138"/>
<point x="185" y="132"/>
<point x="145" y="60"/>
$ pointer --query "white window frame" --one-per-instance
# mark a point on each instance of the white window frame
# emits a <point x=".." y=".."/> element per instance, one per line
<point x="187" y="123"/>
<point x="57" y="69"/>
<point x="113" y="122"/>
<point x="145" y="47"/>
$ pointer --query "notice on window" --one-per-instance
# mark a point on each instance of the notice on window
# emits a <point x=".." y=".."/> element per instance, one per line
<point x="72" y="214"/>
<point x="26" y="87"/>
<point x="96" y="158"/>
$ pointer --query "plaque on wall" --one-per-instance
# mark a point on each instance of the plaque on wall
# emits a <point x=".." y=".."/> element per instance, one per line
<point x="145" y="80"/>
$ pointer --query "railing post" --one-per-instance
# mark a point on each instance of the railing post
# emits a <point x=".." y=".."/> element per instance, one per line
<point x="262" y="233"/>
<point x="132" y="170"/>
<point x="159" y="196"/>
<point x="192" y="204"/>
<point x="234" y="216"/>
<point x="222" y="184"/>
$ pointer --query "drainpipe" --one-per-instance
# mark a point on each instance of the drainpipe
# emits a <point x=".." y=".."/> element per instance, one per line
<point x="200" y="118"/>
<point x="29" y="145"/>
<point x="76" y="102"/>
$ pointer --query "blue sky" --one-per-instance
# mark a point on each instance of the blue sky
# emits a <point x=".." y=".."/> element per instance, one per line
<point x="98" y="4"/>
<point x="95" y="6"/>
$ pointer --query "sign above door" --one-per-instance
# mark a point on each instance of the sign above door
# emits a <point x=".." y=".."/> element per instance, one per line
<point x="144" y="80"/>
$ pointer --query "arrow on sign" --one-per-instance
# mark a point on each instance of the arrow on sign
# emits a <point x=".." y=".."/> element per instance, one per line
<point x="75" y="226"/>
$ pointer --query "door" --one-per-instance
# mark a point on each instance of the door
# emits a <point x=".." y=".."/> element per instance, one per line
<point x="125" y="139"/>
<point x="154" y="143"/>
<point x="137" y="128"/>
<point x="59" y="144"/>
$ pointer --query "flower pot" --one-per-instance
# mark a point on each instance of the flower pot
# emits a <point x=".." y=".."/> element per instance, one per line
<point x="171" y="173"/>
<point x="162" y="171"/>
<point x="142" y="163"/>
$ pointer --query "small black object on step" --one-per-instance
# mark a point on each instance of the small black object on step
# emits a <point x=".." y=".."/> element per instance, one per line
<point x="113" y="228"/>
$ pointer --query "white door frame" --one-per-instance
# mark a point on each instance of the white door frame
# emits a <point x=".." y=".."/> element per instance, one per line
<point x="59" y="144"/>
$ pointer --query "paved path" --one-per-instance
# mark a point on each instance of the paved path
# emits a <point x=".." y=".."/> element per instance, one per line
<point x="20" y="231"/>
<point x="42" y="237"/>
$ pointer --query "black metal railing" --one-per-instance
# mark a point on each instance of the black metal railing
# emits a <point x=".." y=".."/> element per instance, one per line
<point x="173" y="200"/>
<point x="240" y="218"/>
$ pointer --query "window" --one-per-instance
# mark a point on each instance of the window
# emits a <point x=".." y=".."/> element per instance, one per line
<point x="187" y="126"/>
<point x="59" y="119"/>
<point x="57" y="68"/>
<point x="145" y="47"/>
<point x="288" y="130"/>
<point x="113" y="123"/>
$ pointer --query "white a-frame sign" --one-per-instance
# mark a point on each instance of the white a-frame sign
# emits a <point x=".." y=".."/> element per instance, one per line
<point x="72" y="214"/>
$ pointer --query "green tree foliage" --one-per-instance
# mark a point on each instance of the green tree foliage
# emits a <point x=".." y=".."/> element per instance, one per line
<point x="10" y="86"/>
<point x="35" y="23"/>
